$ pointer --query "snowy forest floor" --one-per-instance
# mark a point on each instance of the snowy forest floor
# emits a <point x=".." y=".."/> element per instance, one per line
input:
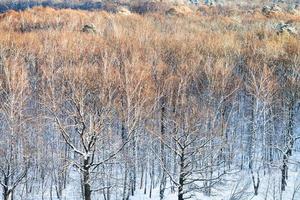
<point x="235" y="186"/>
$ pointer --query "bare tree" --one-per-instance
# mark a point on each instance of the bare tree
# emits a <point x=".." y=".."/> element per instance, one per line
<point x="14" y="145"/>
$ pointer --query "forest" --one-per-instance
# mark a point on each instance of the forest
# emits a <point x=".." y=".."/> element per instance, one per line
<point x="152" y="101"/>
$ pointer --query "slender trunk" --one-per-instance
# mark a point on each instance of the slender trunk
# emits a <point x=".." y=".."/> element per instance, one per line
<point x="162" y="149"/>
<point x="51" y="188"/>
<point x="146" y="176"/>
<point x="255" y="182"/>
<point x="152" y="175"/>
<point x="133" y="170"/>
<point x="142" y="177"/>
<point x="289" y="144"/>
<point x="252" y="134"/>
<point x="284" y="172"/>
<point x="125" y="183"/>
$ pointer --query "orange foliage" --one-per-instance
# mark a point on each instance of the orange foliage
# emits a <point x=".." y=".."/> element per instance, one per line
<point x="150" y="48"/>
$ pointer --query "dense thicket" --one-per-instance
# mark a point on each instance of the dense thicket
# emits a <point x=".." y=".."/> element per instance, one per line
<point x="144" y="102"/>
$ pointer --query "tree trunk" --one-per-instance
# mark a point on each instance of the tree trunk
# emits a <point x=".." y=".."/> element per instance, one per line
<point x="162" y="149"/>
<point x="284" y="172"/>
<point x="181" y="177"/>
<point x="255" y="183"/>
<point x="6" y="191"/>
<point x="180" y="188"/>
<point x="290" y="144"/>
<point x="86" y="179"/>
<point x="125" y="183"/>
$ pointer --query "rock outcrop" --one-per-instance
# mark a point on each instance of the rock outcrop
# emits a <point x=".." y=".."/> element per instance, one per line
<point x="271" y="10"/>
<point x="294" y="10"/>
<point x="89" y="28"/>
<point x="180" y="10"/>
<point x="123" y="11"/>
<point x="286" y="27"/>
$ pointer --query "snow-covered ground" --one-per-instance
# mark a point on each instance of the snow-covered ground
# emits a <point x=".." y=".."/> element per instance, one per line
<point x="239" y="187"/>
<point x="234" y="187"/>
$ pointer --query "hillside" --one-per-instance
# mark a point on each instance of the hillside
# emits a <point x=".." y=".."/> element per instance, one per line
<point x="150" y="101"/>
